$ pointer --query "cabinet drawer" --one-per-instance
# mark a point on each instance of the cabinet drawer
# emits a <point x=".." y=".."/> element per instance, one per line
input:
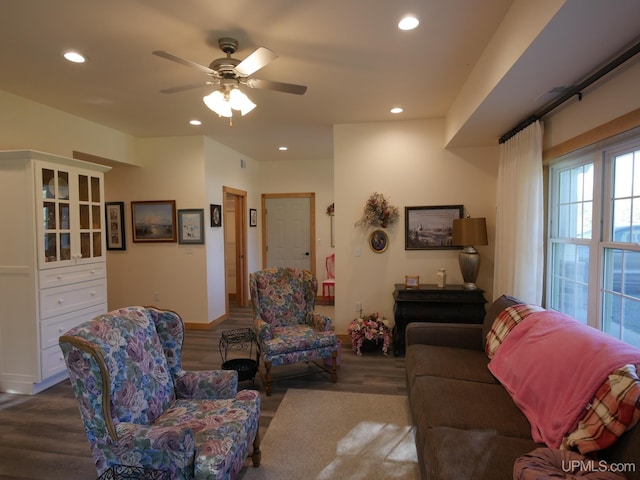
<point x="51" y="361"/>
<point x="61" y="300"/>
<point x="57" y="277"/>
<point x="52" y="328"/>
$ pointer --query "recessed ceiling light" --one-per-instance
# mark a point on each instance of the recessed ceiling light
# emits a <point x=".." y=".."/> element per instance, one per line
<point x="396" y="110"/>
<point x="75" y="57"/>
<point x="408" y="23"/>
<point x="283" y="148"/>
<point x="195" y="122"/>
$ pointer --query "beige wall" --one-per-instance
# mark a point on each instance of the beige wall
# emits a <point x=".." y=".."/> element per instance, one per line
<point x="406" y="162"/>
<point x="291" y="176"/>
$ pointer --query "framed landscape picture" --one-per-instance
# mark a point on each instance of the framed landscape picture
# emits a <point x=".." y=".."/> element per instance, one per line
<point x="154" y="221"/>
<point x="430" y="228"/>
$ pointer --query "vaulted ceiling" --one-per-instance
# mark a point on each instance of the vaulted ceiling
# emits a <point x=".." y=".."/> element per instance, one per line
<point x="349" y="53"/>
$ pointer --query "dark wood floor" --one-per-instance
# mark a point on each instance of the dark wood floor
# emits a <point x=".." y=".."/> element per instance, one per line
<point x="41" y="436"/>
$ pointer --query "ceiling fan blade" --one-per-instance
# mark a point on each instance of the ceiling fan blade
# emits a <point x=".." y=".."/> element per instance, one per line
<point x="182" y="61"/>
<point x="182" y="88"/>
<point x="254" y="62"/>
<point x="276" y="86"/>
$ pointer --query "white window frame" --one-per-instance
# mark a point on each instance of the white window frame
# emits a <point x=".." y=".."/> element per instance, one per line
<point x="602" y="157"/>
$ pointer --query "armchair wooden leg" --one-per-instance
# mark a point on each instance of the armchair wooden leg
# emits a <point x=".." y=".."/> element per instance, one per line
<point x="256" y="456"/>
<point x="334" y="366"/>
<point x="267" y="377"/>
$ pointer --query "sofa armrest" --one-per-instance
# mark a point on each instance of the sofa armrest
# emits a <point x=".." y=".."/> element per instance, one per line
<point x="459" y="335"/>
<point x="207" y="384"/>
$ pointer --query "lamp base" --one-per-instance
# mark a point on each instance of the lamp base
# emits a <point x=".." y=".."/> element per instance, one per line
<point x="469" y="261"/>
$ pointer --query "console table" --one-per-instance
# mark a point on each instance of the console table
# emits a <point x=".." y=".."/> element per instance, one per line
<point x="430" y="303"/>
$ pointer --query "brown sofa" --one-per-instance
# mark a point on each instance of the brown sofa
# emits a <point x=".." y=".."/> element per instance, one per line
<point x="467" y="425"/>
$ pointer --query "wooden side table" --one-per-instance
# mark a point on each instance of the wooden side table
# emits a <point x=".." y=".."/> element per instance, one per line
<point x="430" y="303"/>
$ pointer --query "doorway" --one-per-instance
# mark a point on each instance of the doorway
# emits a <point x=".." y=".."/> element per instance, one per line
<point x="288" y="230"/>
<point x="235" y="246"/>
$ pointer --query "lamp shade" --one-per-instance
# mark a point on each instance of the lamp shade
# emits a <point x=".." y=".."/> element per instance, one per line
<point x="469" y="231"/>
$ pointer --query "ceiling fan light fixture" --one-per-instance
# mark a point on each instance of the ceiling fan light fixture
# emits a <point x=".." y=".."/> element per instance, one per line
<point x="216" y="101"/>
<point x="239" y="101"/>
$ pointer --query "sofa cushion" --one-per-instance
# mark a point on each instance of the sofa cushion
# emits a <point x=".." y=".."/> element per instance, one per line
<point x="494" y="310"/>
<point x="449" y="362"/>
<point x="446" y="402"/>
<point x="454" y="454"/>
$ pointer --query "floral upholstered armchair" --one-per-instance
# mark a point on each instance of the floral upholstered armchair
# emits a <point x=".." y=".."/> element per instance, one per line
<point x="287" y="328"/>
<point x="140" y="409"/>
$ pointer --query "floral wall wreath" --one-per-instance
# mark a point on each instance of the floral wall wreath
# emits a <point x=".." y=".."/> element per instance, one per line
<point x="378" y="212"/>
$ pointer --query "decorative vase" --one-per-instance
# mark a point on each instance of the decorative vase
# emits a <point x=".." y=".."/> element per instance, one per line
<point x="370" y="345"/>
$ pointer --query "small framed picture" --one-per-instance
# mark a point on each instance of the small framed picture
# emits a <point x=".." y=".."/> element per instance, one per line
<point x="191" y="226"/>
<point x="378" y="241"/>
<point x="114" y="221"/>
<point x="253" y="217"/>
<point x="216" y="215"/>
<point x="154" y="221"/>
<point x="412" y="281"/>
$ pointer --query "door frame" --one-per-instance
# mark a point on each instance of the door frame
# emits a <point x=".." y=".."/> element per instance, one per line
<point x="242" y="275"/>
<point x="312" y="224"/>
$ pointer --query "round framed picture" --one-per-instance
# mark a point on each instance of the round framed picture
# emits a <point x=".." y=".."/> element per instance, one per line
<point x="378" y="241"/>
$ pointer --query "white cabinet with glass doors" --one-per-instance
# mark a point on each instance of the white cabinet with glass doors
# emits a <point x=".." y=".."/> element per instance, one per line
<point x="52" y="264"/>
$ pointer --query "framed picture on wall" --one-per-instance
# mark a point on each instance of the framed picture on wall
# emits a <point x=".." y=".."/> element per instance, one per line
<point x="191" y="226"/>
<point x="430" y="228"/>
<point x="378" y="241"/>
<point x="114" y="221"/>
<point x="154" y="221"/>
<point x="253" y="217"/>
<point x="216" y="215"/>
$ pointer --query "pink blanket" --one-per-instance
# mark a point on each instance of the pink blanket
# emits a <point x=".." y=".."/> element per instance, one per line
<point x="552" y="365"/>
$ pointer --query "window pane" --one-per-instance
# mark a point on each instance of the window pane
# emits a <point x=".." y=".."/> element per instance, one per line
<point x="575" y="207"/>
<point x="623" y="176"/>
<point x="569" y="282"/>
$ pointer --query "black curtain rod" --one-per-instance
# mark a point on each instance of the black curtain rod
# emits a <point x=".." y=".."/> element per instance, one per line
<point x="576" y="90"/>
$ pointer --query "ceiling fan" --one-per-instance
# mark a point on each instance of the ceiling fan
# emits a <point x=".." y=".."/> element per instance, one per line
<point x="229" y="73"/>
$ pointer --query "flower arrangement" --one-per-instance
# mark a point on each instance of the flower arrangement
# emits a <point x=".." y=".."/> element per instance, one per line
<point x="331" y="209"/>
<point x="370" y="327"/>
<point x="378" y="212"/>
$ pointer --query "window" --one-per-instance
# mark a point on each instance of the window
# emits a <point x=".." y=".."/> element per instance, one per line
<point x="594" y="239"/>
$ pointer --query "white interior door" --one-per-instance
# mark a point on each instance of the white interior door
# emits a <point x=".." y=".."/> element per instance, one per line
<point x="288" y="225"/>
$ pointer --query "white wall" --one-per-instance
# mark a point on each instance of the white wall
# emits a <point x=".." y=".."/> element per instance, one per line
<point x="613" y="96"/>
<point x="27" y="125"/>
<point x="291" y="176"/>
<point x="407" y="163"/>
<point x="223" y="169"/>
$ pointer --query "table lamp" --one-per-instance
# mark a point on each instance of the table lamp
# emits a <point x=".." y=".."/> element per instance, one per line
<point x="469" y="232"/>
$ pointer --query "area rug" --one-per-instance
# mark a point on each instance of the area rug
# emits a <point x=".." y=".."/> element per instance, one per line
<point x="329" y="435"/>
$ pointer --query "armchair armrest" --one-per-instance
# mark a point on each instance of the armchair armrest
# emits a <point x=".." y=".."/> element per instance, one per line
<point x="319" y="322"/>
<point x="263" y="330"/>
<point x="157" y="447"/>
<point x="207" y="384"/>
<point x="460" y="335"/>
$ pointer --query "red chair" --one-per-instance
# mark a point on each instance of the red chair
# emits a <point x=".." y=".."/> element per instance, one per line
<point x="330" y="282"/>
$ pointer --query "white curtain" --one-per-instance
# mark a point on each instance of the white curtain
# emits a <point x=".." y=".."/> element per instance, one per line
<point x="519" y="254"/>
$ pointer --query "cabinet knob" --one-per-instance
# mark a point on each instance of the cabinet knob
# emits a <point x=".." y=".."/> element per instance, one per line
<point x="59" y="277"/>
<point x="60" y="329"/>
<point x="60" y="301"/>
<point x="93" y="272"/>
<point x="93" y="293"/>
